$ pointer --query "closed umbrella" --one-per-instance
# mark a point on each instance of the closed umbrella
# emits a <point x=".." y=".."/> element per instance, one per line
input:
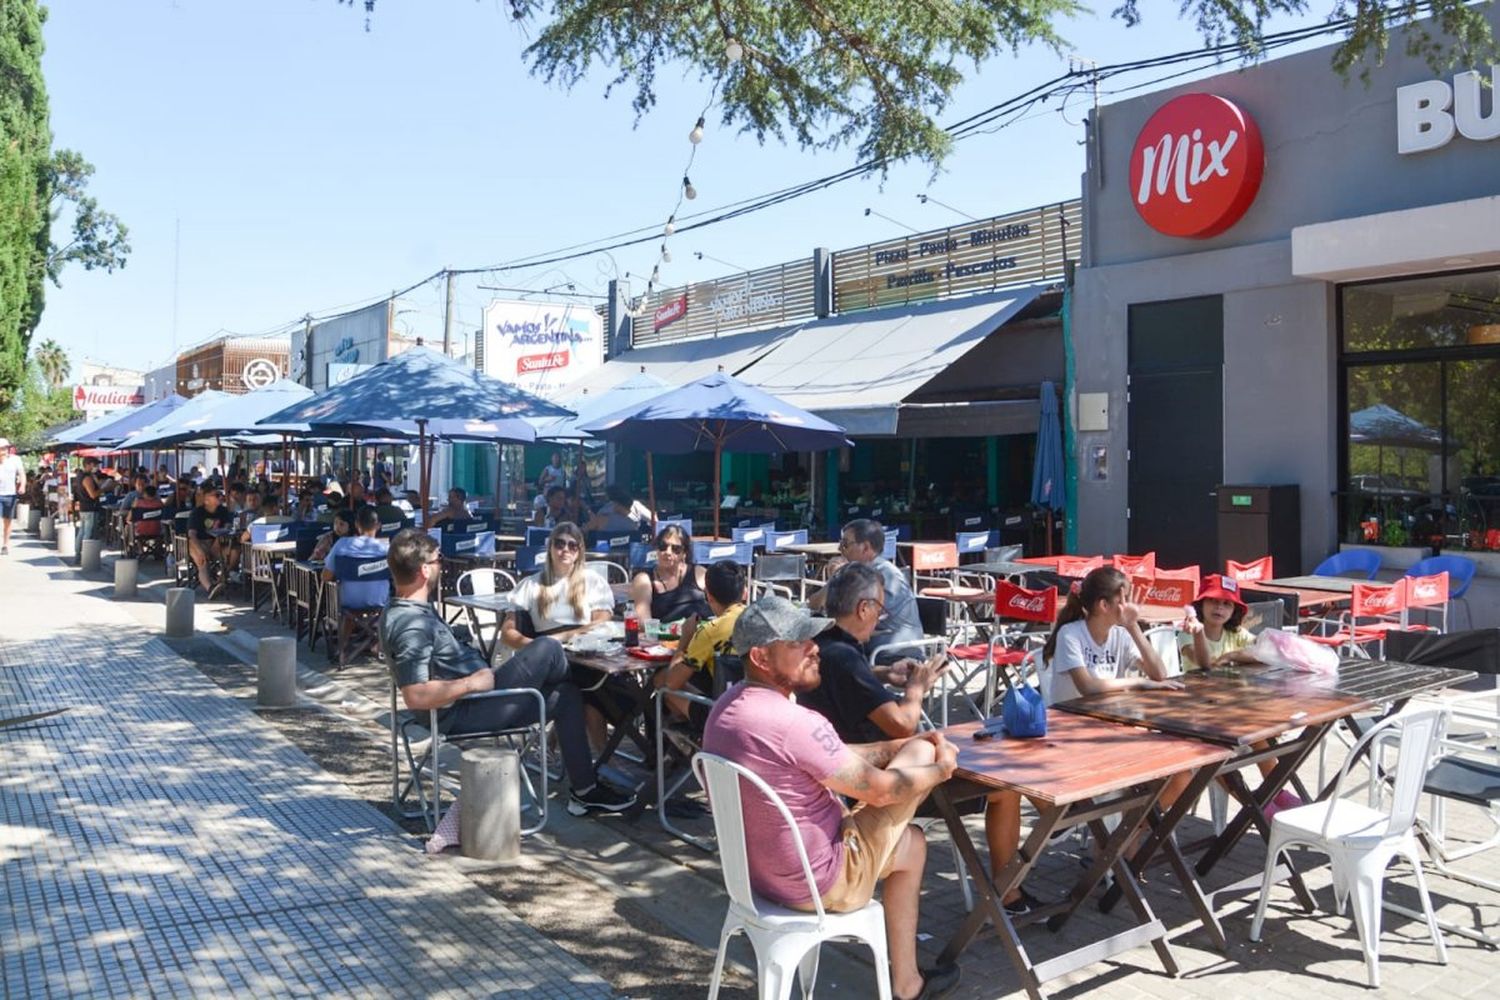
<point x="1047" y="489"/>
<point x="718" y="413"/>
<point x="423" y="387"/>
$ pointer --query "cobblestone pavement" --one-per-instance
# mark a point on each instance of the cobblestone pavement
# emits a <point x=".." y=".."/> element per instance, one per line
<point x="157" y="839"/>
<point x="675" y="887"/>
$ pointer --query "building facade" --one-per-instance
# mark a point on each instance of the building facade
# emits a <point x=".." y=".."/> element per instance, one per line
<point x="1292" y="278"/>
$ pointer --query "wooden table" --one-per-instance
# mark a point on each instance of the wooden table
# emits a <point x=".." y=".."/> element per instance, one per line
<point x="1082" y="771"/>
<point x="1321" y="599"/>
<point x="1240" y="707"/>
<point x="1003" y="568"/>
<point x="636" y="673"/>
<point x="1336" y="584"/>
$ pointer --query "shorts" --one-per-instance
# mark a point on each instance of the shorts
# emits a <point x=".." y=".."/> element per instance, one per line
<point x="8" y="507"/>
<point x="870" y="836"/>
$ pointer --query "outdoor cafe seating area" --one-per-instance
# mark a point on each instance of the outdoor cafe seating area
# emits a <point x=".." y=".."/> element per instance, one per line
<point x="1238" y="738"/>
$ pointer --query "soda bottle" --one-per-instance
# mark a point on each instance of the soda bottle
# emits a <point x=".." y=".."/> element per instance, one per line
<point x="632" y="629"/>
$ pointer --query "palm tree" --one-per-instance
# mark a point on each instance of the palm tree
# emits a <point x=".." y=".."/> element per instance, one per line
<point x="53" y="361"/>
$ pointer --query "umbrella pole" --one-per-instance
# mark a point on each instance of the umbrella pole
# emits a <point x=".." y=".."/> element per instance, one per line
<point x="422" y="464"/>
<point x="286" y="482"/>
<point x="499" y="457"/>
<point x="718" y="476"/>
<point x="219" y="454"/>
<point x="651" y="490"/>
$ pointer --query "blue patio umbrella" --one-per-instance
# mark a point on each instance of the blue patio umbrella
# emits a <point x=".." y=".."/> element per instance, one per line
<point x="231" y="416"/>
<point x="1047" y="489"/>
<point x="638" y="388"/>
<point x="1388" y="427"/>
<point x="112" y="427"/>
<point x="420" y="386"/>
<point x="717" y="413"/>
<point x="170" y="424"/>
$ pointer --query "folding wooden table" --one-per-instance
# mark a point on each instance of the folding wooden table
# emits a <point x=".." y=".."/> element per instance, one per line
<point x="1082" y="771"/>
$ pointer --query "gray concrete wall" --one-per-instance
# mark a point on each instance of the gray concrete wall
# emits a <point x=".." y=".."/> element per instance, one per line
<point x="1330" y="154"/>
<point x="1279" y="371"/>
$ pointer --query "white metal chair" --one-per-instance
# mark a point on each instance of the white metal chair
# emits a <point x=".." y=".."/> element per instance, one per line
<point x="1361" y="840"/>
<point x="786" y="941"/>
<point x="484" y="581"/>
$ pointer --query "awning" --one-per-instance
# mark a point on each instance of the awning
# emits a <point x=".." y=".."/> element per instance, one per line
<point x="857" y="370"/>
<point x="677" y="363"/>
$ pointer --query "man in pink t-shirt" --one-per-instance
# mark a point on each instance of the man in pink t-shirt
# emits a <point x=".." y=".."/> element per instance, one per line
<point x="758" y="725"/>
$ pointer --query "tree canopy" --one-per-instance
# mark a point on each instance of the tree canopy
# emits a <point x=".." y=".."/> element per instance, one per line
<point x="38" y="189"/>
<point x="878" y="73"/>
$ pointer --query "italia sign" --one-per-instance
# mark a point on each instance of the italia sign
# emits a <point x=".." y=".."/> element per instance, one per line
<point x="1196" y="166"/>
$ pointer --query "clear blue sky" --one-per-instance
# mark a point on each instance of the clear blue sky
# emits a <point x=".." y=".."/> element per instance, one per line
<point x="314" y="165"/>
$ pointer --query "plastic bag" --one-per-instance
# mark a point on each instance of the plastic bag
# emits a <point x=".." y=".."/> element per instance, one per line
<point x="1276" y="648"/>
<point x="1024" y="713"/>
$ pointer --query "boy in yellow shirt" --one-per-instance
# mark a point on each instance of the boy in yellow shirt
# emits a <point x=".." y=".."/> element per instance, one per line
<point x="693" y="665"/>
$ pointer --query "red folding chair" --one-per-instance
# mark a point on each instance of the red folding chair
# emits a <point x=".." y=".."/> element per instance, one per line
<point x="1427" y="594"/>
<point x="1017" y="611"/>
<point x="1250" y="572"/>
<point x="1136" y="565"/>
<point x="1374" y="610"/>
<point x="1078" y="567"/>
<point x="1167" y="587"/>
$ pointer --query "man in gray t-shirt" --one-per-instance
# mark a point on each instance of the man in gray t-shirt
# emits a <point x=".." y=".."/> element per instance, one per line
<point x="434" y="670"/>
<point x="863" y="541"/>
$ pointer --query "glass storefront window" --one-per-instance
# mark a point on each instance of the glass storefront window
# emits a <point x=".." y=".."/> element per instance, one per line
<point x="1421" y="370"/>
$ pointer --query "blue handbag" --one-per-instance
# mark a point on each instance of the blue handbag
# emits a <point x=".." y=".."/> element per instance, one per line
<point x="1024" y="713"/>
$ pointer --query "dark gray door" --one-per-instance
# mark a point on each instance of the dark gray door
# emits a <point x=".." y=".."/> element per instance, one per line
<point x="1176" y="429"/>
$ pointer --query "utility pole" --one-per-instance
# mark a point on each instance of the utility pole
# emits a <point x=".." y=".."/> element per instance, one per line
<point x="448" y="318"/>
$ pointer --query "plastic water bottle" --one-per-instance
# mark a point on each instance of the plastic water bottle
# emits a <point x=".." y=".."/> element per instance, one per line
<point x="632" y="629"/>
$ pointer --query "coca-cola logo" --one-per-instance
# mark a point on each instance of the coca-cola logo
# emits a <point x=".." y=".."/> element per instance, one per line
<point x="1036" y="605"/>
<point x="1425" y="591"/>
<point x="1196" y="166"/>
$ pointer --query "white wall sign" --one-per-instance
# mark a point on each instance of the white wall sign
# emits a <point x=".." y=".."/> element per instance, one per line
<point x="540" y="346"/>
<point x="1430" y="113"/>
<point x="259" y="373"/>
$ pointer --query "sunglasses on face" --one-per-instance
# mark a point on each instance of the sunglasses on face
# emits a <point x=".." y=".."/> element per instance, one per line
<point x="565" y="544"/>
<point x="671" y="547"/>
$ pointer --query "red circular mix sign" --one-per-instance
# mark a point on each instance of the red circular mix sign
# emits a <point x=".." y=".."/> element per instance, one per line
<point x="1196" y="166"/>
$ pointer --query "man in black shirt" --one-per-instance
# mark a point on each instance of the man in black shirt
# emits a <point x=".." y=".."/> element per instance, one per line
<point x="207" y="519"/>
<point x="863" y="709"/>
<point x="434" y="670"/>
<point x="850" y="694"/>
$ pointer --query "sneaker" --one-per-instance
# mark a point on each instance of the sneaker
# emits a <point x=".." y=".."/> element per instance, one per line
<point x="4" y="550"/>
<point x="601" y="798"/>
<point x="1022" y="904"/>
<point x="938" y="982"/>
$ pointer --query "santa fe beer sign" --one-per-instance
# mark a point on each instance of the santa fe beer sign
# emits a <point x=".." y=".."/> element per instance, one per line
<point x="1196" y="166"/>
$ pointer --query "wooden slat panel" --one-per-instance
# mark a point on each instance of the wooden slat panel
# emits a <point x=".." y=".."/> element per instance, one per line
<point x="1022" y="248"/>
<point x="739" y="303"/>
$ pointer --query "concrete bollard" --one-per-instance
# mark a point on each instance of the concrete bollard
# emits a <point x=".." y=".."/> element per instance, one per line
<point x="276" y="672"/>
<point x="489" y="824"/>
<point x="34" y="520"/>
<point x="93" y="555"/>
<point x="67" y="539"/>
<point x="45" y="529"/>
<point x="127" y="572"/>
<point x="179" y="612"/>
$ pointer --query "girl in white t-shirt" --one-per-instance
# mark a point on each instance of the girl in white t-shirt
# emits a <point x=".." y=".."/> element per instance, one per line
<point x="1097" y="642"/>
<point x="564" y="598"/>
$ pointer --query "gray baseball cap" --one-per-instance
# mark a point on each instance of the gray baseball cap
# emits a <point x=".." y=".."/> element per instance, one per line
<point x="774" y="618"/>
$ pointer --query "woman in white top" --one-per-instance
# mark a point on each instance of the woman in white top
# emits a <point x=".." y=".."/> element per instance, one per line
<point x="1097" y="641"/>
<point x="564" y="598"/>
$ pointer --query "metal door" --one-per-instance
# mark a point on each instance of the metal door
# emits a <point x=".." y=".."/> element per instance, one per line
<point x="1175" y="414"/>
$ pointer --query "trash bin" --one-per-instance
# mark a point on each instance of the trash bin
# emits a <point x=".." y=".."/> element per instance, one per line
<point x="1256" y="521"/>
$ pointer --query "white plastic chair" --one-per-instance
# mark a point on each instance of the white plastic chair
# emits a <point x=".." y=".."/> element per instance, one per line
<point x="1360" y="840"/>
<point x="786" y="941"/>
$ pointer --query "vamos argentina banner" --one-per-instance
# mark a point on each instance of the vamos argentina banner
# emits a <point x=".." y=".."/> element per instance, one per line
<point x="540" y="346"/>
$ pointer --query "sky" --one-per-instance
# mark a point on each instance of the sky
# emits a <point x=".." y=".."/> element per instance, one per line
<point x="273" y="159"/>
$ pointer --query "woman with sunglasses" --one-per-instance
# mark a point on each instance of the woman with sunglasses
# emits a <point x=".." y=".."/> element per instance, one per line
<point x="673" y="588"/>
<point x="563" y="598"/>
